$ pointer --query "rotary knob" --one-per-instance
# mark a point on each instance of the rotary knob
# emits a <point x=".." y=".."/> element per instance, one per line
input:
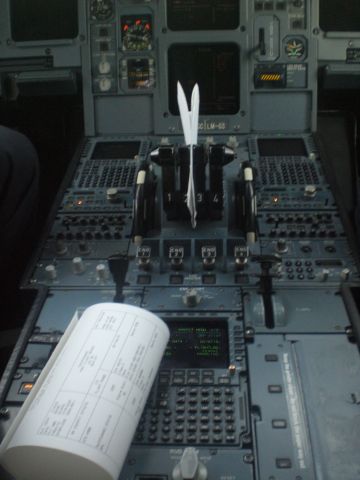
<point x="78" y="265"/>
<point x="310" y="191"/>
<point x="101" y="272"/>
<point x="104" y="84"/>
<point x="282" y="246"/>
<point x="191" y="297"/>
<point x="104" y="67"/>
<point x="51" y="272"/>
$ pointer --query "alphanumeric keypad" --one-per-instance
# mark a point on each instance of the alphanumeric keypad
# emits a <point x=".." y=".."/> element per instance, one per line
<point x="182" y="413"/>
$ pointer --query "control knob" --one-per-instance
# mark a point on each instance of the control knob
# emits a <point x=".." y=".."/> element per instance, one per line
<point x="104" y="67"/>
<point x="51" y="272"/>
<point x="112" y="194"/>
<point x="78" y="265"/>
<point x="345" y="274"/>
<point x="101" y="272"/>
<point x="84" y="247"/>
<point x="60" y="247"/>
<point x="191" y="297"/>
<point x="281" y="246"/>
<point x="310" y="191"/>
<point x="105" y="84"/>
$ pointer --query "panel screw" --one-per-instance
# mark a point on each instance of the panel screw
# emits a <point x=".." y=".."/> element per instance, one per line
<point x="4" y="412"/>
<point x="248" y="458"/>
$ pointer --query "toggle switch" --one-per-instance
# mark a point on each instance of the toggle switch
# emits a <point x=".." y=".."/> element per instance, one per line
<point x="208" y="255"/>
<point x="241" y="254"/>
<point x="176" y="257"/>
<point x="143" y="255"/>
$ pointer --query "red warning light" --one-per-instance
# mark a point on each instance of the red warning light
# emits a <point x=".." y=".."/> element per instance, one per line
<point x="137" y="22"/>
<point x="126" y="28"/>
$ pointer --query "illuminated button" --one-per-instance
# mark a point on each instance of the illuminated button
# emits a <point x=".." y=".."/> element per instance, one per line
<point x="26" y="388"/>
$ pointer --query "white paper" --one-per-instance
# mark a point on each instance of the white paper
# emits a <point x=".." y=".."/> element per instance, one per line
<point x="191" y="195"/>
<point x="83" y="411"/>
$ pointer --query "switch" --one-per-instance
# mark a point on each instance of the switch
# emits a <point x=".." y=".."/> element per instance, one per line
<point x="208" y="255"/>
<point x="324" y="275"/>
<point x="241" y="254"/>
<point x="345" y="274"/>
<point x="176" y="257"/>
<point x="143" y="255"/>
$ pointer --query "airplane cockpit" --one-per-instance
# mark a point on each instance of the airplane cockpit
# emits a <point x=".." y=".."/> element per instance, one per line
<point x="199" y="162"/>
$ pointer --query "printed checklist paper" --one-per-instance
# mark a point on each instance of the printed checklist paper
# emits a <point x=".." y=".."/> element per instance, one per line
<point x="79" y="420"/>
